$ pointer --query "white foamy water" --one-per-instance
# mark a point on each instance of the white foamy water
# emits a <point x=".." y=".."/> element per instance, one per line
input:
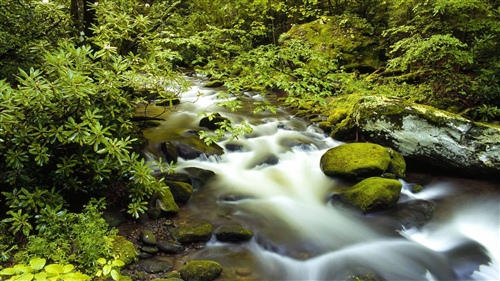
<point x="301" y="234"/>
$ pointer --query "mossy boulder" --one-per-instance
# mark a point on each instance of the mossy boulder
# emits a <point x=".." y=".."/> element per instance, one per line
<point x="436" y="137"/>
<point x="180" y="190"/>
<point x="233" y="233"/>
<point x="397" y="166"/>
<point x="355" y="160"/>
<point x="162" y="203"/>
<point x="194" y="232"/>
<point x="372" y="194"/>
<point x="124" y="249"/>
<point x="346" y="38"/>
<point x="200" y="270"/>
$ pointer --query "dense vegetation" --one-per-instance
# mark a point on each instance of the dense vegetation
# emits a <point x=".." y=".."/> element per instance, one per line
<point x="72" y="73"/>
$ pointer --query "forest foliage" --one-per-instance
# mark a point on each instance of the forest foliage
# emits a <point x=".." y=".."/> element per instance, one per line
<point x="70" y="73"/>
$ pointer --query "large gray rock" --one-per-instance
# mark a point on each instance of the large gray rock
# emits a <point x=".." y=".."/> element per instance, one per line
<point x="424" y="133"/>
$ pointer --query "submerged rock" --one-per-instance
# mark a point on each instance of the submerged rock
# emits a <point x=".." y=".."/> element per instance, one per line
<point x="372" y="194"/>
<point x="355" y="160"/>
<point x="154" y="265"/>
<point x="200" y="270"/>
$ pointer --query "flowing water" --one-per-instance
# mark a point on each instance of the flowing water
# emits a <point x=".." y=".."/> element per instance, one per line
<point x="272" y="184"/>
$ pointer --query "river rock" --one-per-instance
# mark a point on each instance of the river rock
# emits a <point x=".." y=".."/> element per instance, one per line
<point x="200" y="270"/>
<point x="212" y="122"/>
<point x="169" y="247"/>
<point x="154" y="265"/>
<point x="147" y="237"/>
<point x="372" y="194"/>
<point x="162" y="202"/>
<point x="436" y="137"/>
<point x="406" y="215"/>
<point x="194" y="232"/>
<point x="355" y="160"/>
<point x="169" y="151"/>
<point x="199" y="177"/>
<point x="193" y="147"/>
<point x="180" y="190"/>
<point x="233" y="233"/>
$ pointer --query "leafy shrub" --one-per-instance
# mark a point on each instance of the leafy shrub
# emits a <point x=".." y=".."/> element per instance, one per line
<point x="70" y="238"/>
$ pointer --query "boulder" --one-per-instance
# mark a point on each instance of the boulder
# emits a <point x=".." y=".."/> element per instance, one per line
<point x="355" y="160"/>
<point x="200" y="270"/>
<point x="194" y="232"/>
<point x="433" y="136"/>
<point x="162" y="202"/>
<point x="422" y="133"/>
<point x="372" y="194"/>
<point x="233" y="233"/>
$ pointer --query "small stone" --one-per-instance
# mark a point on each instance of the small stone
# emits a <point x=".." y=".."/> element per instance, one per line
<point x="201" y="270"/>
<point x="148" y="237"/>
<point x="149" y="249"/>
<point x="233" y="233"/>
<point x="170" y="248"/>
<point x="195" y="232"/>
<point x="416" y="188"/>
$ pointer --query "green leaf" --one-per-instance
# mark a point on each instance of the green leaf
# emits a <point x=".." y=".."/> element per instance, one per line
<point x="115" y="274"/>
<point x="54" y="269"/>
<point x="37" y="263"/>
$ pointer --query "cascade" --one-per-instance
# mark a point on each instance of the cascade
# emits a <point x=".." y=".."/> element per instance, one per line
<point x="301" y="233"/>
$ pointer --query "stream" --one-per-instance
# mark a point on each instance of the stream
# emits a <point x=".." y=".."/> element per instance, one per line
<point x="270" y="182"/>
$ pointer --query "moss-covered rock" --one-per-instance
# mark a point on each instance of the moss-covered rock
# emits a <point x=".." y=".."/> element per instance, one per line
<point x="180" y="190"/>
<point x="233" y="233"/>
<point x="124" y="249"/>
<point x="426" y="134"/>
<point x="163" y="202"/>
<point x="397" y="166"/>
<point x="200" y="270"/>
<point x="355" y="160"/>
<point x="372" y="194"/>
<point x="346" y="38"/>
<point x="194" y="232"/>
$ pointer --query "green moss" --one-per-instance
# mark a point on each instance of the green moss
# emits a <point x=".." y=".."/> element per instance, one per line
<point x="355" y="160"/>
<point x="124" y="249"/>
<point x="200" y="270"/>
<point x="373" y="194"/>
<point x="416" y="188"/>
